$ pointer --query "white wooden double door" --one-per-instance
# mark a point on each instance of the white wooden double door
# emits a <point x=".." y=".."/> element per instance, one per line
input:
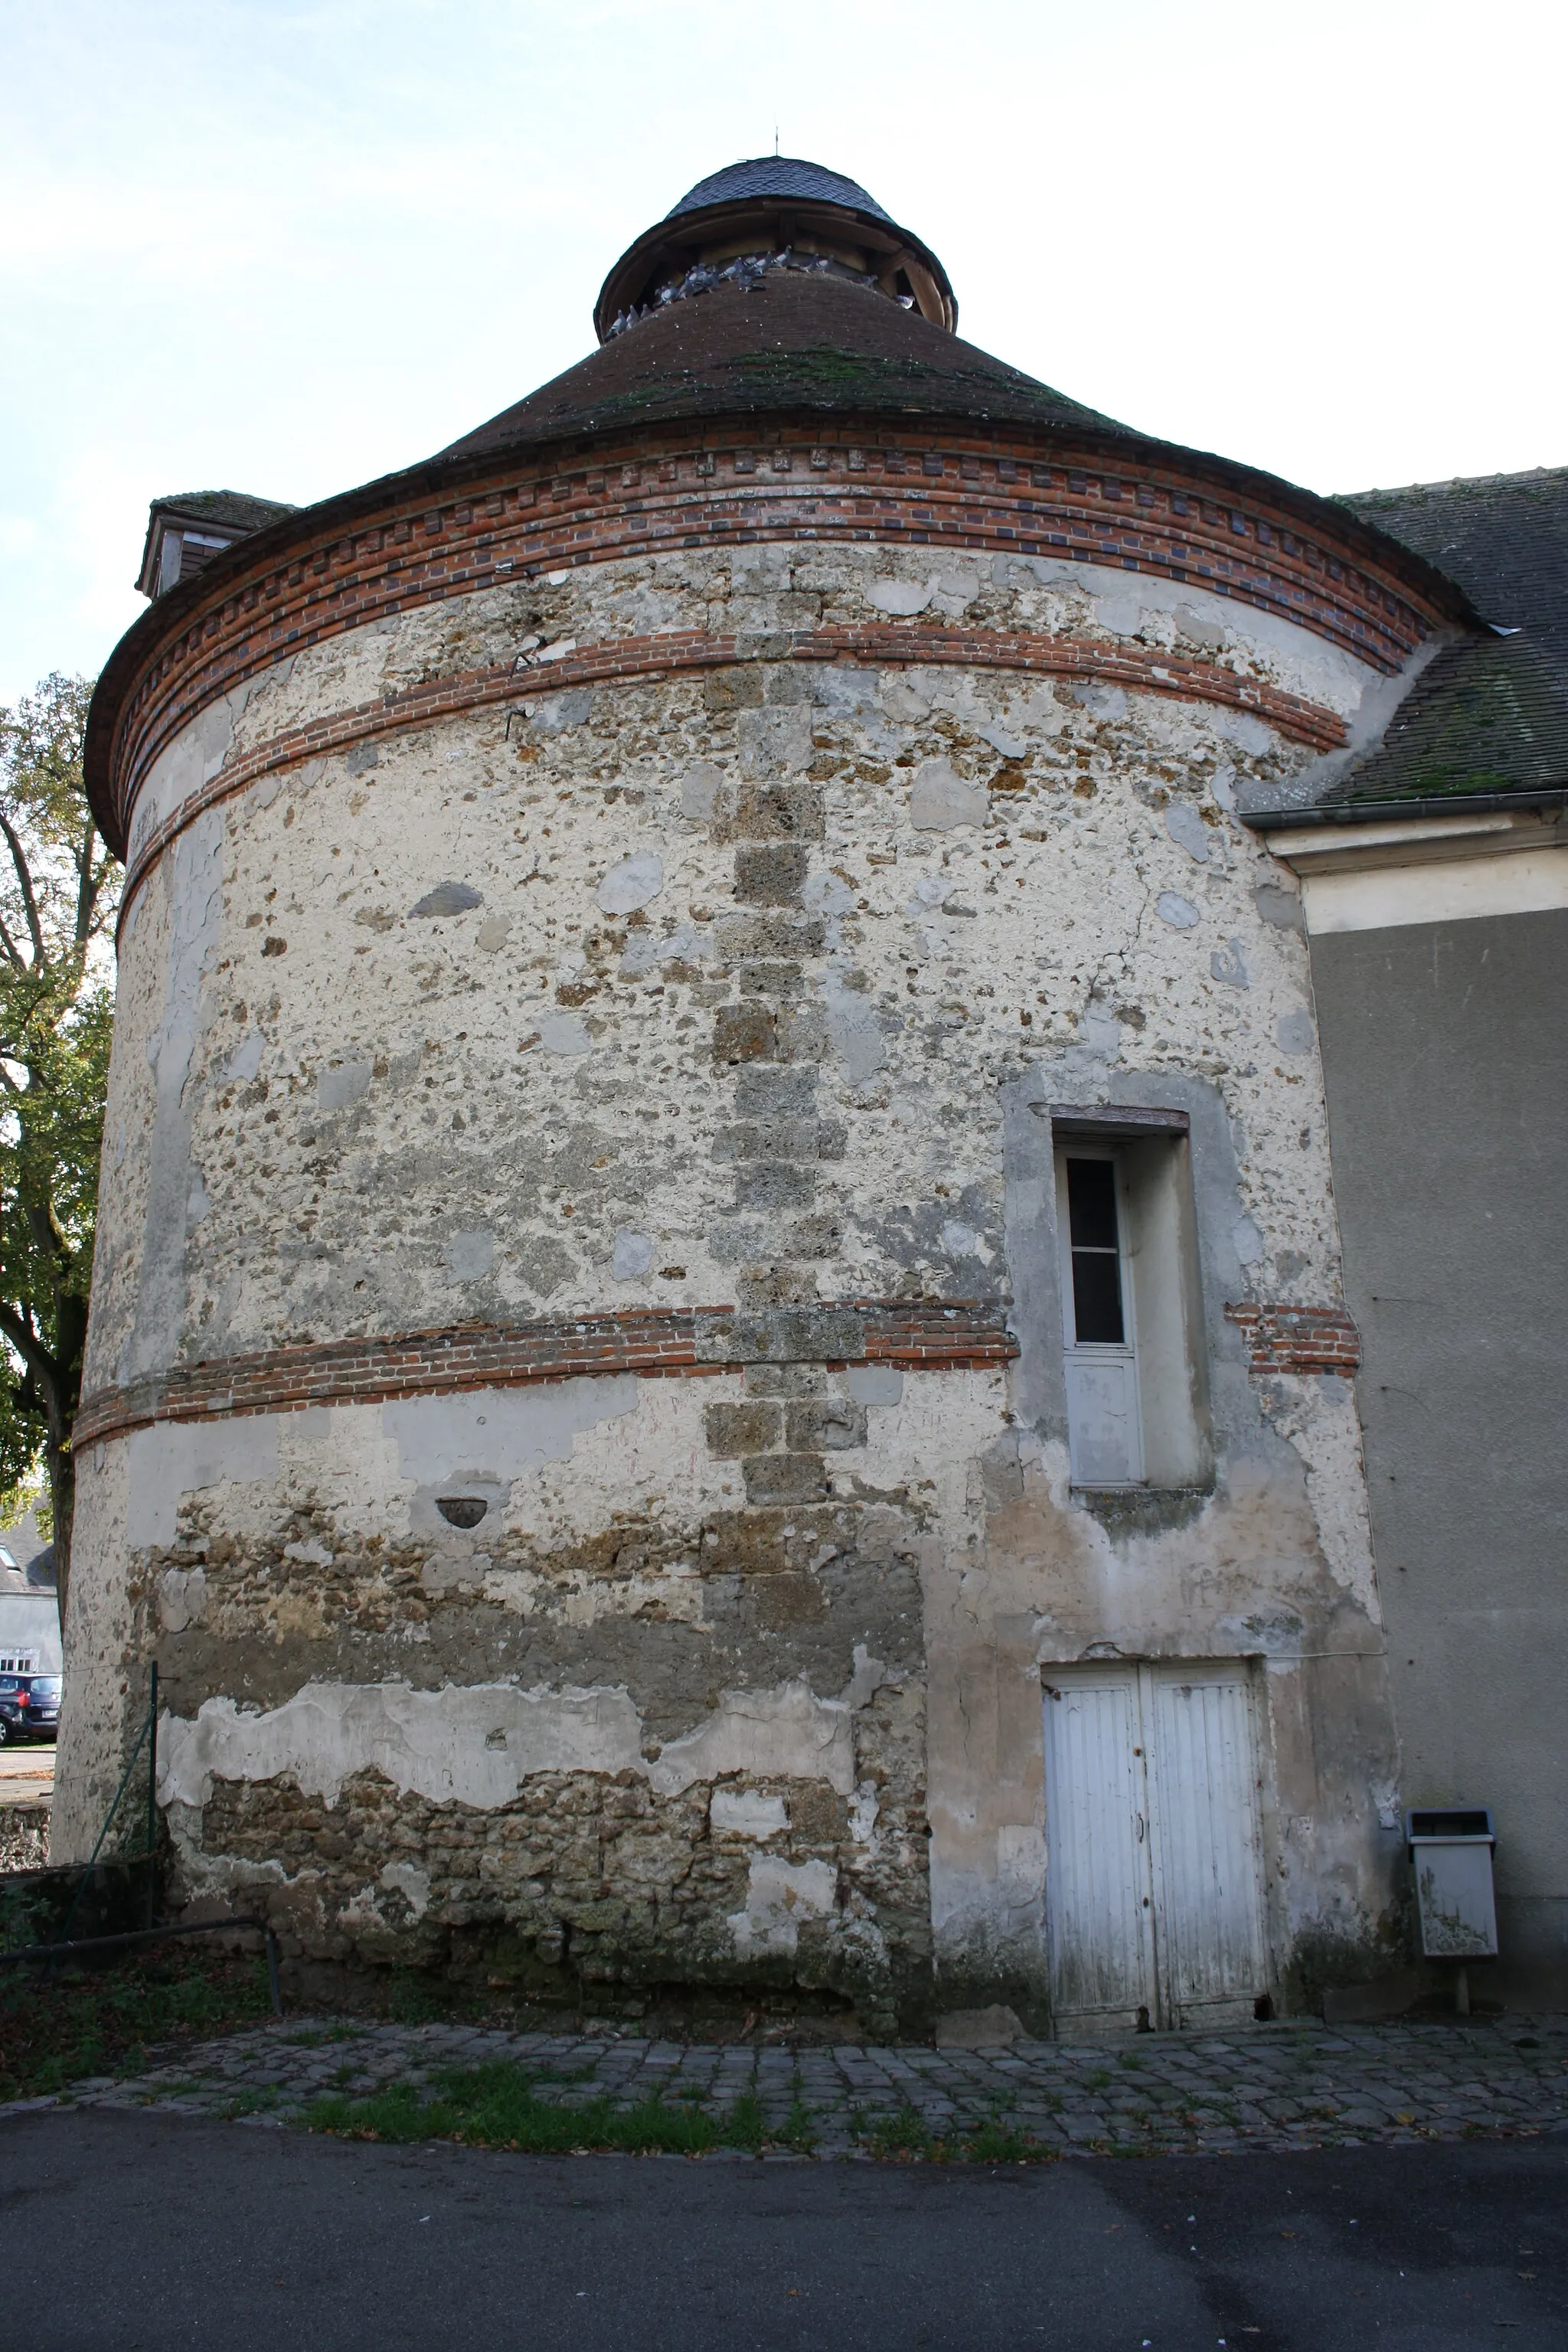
<point x="1153" y="1844"/>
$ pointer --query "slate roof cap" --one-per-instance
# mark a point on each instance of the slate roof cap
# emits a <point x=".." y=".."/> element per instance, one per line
<point x="778" y="175"/>
<point x="757" y="212"/>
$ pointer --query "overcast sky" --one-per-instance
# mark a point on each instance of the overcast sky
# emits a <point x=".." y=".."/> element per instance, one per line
<point x="284" y="249"/>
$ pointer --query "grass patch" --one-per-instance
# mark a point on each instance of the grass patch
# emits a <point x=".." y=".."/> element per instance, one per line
<point x="498" y="2105"/>
<point x="905" y="2136"/>
<point x="903" y="2133"/>
<point x="998" y="2142"/>
<point x="55" y="2029"/>
<point x="248" y="2102"/>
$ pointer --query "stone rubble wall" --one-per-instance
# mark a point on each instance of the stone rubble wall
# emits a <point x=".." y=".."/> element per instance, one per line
<point x="669" y="994"/>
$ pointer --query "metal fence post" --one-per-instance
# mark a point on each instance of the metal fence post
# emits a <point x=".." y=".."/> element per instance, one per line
<point x="152" y="1897"/>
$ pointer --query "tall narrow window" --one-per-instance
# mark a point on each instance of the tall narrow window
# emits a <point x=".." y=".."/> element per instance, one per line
<point x="1104" y="1421"/>
<point x="1096" y="1243"/>
<point x="1133" y="1348"/>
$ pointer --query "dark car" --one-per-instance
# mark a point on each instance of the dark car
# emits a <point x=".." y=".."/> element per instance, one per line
<point x="29" y="1707"/>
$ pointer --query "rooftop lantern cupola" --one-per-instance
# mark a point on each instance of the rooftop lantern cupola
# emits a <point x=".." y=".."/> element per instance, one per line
<point x="774" y="213"/>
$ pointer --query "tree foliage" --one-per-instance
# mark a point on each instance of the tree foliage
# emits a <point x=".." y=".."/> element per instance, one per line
<point x="59" y="887"/>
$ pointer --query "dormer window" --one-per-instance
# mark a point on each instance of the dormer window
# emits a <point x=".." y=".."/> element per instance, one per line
<point x="185" y="533"/>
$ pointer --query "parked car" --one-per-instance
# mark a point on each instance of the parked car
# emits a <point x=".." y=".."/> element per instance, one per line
<point x="29" y="1707"/>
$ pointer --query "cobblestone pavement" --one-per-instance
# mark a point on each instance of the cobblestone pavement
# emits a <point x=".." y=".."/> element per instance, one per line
<point x="1278" y="2087"/>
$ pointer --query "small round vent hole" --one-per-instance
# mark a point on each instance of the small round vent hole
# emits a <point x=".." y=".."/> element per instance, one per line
<point x="461" y="1510"/>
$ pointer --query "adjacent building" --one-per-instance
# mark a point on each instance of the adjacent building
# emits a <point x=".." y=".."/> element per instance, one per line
<point x="1435" y="879"/>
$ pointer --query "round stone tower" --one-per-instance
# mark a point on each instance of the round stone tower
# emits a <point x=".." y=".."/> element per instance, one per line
<point x="715" y="1354"/>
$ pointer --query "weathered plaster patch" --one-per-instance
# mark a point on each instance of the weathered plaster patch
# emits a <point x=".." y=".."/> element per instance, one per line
<point x="407" y="1878"/>
<point x="565" y="1034"/>
<point x="941" y="801"/>
<point x="748" y="1813"/>
<point x="445" y="1745"/>
<point x="245" y="1060"/>
<point x="1188" y="830"/>
<point x="193" y="879"/>
<point x="502" y="1433"/>
<point x="780" y="1896"/>
<point x="340" y="1084"/>
<point x="785" y="1733"/>
<point x="636" y="882"/>
<point x="191" y="760"/>
<point x="1179" y="913"/>
<point x="177" y="1458"/>
<point x="856" y="1033"/>
<point x="471" y="1255"/>
<point x="632" y="1256"/>
<point x="182" y="1598"/>
<point x="447" y="898"/>
<point x="431" y="1742"/>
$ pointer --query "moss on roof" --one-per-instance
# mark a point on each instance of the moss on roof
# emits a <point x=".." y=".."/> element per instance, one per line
<point x="795" y="341"/>
<point x="1488" y="715"/>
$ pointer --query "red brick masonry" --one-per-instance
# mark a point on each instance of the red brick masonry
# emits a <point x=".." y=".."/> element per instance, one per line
<point x="1298" y="1339"/>
<point x="982" y="493"/>
<point x="656" y="1343"/>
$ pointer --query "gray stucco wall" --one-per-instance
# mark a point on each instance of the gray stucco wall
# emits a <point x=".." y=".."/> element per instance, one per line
<point x="1444" y="1053"/>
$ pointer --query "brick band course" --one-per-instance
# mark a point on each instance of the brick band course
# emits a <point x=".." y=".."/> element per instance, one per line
<point x="1298" y="1339"/>
<point x="976" y="491"/>
<point x="690" y="1343"/>
<point x="655" y="1342"/>
<point x="652" y="657"/>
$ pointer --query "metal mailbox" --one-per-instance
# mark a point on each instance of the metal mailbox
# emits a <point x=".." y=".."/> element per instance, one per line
<point x="1451" y="1854"/>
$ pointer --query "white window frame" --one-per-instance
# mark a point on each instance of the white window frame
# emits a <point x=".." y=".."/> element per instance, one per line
<point x="1092" y="1366"/>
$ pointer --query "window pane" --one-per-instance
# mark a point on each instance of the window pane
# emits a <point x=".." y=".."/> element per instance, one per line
<point x="1092" y="1204"/>
<point x="1097" y="1297"/>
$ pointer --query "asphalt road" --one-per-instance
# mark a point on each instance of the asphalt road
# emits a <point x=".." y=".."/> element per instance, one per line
<point x="128" y="2230"/>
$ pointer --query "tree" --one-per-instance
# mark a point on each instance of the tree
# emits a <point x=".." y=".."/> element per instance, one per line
<point x="59" y="887"/>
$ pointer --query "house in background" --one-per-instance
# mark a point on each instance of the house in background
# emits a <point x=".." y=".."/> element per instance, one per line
<point x="29" y="1605"/>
